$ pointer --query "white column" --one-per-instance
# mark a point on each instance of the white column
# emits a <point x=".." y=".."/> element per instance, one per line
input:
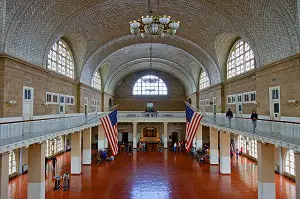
<point x="297" y="174"/>
<point x="225" y="164"/>
<point x="76" y="153"/>
<point x="101" y="136"/>
<point x="36" y="171"/>
<point x="20" y="160"/>
<point x="87" y="146"/>
<point x="165" y="135"/>
<point x="65" y="143"/>
<point x="4" y="175"/>
<point x="265" y="171"/>
<point x="134" y="132"/>
<point x="214" y="151"/>
<point x="105" y="142"/>
<point x="199" y="137"/>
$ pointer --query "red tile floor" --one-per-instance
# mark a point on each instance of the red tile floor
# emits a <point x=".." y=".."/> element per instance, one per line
<point x="154" y="175"/>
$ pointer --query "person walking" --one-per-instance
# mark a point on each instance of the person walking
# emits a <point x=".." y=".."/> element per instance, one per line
<point x="254" y="118"/>
<point x="229" y="115"/>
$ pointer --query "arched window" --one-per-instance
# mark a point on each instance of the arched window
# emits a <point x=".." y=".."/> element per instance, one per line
<point x="204" y="80"/>
<point x="241" y="59"/>
<point x="290" y="162"/>
<point x="60" y="59"/>
<point x="150" y="85"/>
<point x="253" y="148"/>
<point x="96" y="80"/>
<point x="12" y="163"/>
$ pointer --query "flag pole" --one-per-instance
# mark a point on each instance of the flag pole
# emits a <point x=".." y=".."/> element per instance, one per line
<point x="193" y="107"/>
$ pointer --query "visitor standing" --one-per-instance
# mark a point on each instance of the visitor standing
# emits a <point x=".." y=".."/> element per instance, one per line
<point x="229" y="115"/>
<point x="254" y="118"/>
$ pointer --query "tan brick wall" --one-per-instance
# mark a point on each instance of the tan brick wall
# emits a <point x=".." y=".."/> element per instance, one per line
<point x="91" y="93"/>
<point x="214" y="91"/>
<point x="174" y="101"/>
<point x="284" y="73"/>
<point x="17" y="74"/>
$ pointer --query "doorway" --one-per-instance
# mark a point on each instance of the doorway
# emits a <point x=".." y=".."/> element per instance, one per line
<point x="125" y="137"/>
<point x="28" y="97"/>
<point x="274" y="96"/>
<point x="174" y="137"/>
<point x="239" y="106"/>
<point x="62" y="99"/>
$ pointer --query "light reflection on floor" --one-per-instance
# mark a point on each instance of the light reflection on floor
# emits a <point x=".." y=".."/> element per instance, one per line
<point x="153" y="174"/>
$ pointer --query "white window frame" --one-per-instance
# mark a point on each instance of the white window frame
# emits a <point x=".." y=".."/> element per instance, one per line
<point x="206" y="102"/>
<point x="12" y="163"/>
<point x="70" y="97"/>
<point x="201" y="103"/>
<point x="52" y="94"/>
<point x="287" y="163"/>
<point x="249" y="97"/>
<point x="232" y="99"/>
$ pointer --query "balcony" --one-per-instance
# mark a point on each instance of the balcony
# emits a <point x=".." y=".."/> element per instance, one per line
<point x="159" y="116"/>
<point x="23" y="133"/>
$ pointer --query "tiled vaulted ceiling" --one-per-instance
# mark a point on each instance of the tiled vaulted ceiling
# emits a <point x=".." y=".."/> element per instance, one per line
<point x="98" y="30"/>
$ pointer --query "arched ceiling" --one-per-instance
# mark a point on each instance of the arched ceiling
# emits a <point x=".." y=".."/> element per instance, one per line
<point x="96" y="29"/>
<point x="170" y="57"/>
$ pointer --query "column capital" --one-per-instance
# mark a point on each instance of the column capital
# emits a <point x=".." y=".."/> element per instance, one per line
<point x="134" y="123"/>
<point x="165" y="123"/>
<point x="5" y="153"/>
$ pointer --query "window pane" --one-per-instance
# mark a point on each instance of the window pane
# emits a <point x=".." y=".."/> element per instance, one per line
<point x="240" y="60"/>
<point x="59" y="58"/>
<point x="149" y="85"/>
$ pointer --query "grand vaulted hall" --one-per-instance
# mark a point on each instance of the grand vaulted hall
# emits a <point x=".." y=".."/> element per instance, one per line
<point x="93" y="99"/>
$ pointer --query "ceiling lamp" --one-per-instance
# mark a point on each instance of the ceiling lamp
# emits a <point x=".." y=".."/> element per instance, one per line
<point x="154" y="26"/>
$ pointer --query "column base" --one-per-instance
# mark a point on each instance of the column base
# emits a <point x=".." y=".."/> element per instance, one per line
<point x="86" y="156"/>
<point x="36" y="190"/>
<point x="165" y="142"/>
<point x="225" y="165"/>
<point x="75" y="165"/>
<point x="266" y="190"/>
<point x="214" y="156"/>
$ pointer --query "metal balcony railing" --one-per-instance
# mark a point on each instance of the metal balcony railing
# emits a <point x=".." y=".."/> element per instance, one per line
<point x="12" y="132"/>
<point x="278" y="130"/>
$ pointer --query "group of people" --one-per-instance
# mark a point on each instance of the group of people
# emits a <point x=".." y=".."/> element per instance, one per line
<point x="142" y="146"/>
<point x="254" y="118"/>
<point x="179" y="146"/>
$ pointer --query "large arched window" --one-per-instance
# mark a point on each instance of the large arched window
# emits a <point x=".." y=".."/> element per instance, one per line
<point x="60" y="59"/>
<point x="12" y="163"/>
<point x="96" y="80"/>
<point x="290" y="162"/>
<point x="241" y="59"/>
<point x="204" y="80"/>
<point x="150" y="85"/>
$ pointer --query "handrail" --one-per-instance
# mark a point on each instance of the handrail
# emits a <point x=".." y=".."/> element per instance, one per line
<point x="279" y="121"/>
<point x="22" y="121"/>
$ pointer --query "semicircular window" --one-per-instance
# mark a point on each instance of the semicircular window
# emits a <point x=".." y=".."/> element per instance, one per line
<point x="60" y="59"/>
<point x="150" y="85"/>
<point x="240" y="60"/>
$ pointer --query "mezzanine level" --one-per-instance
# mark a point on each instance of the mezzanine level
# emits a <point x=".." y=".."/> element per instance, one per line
<point x="18" y="134"/>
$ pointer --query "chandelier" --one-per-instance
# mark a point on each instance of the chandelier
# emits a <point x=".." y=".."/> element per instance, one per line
<point x="154" y="26"/>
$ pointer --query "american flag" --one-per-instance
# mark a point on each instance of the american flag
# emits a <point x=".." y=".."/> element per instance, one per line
<point x="192" y="123"/>
<point x="110" y="125"/>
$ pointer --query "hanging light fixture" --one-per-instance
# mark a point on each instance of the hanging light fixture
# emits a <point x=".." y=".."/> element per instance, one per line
<point x="154" y="26"/>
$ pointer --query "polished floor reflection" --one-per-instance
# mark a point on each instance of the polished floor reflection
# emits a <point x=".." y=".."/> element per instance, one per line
<point x="154" y="175"/>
